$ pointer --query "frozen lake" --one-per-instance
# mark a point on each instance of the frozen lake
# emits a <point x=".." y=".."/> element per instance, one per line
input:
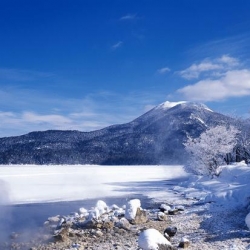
<point x="39" y="184"/>
<point x="29" y="194"/>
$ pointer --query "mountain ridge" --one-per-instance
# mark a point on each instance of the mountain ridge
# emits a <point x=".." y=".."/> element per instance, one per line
<point x="155" y="137"/>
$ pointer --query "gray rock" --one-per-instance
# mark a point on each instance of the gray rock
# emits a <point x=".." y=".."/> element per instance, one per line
<point x="123" y="223"/>
<point x="161" y="216"/>
<point x="171" y="231"/>
<point x="184" y="243"/>
<point x="140" y="217"/>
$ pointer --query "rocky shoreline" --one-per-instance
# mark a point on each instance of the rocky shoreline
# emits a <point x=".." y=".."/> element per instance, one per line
<point x="203" y="226"/>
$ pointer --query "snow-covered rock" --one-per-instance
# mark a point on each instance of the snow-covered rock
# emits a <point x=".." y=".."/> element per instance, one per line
<point x="83" y="211"/>
<point x="123" y="223"/>
<point x="165" y="207"/>
<point x="134" y="213"/>
<point x="184" y="243"/>
<point x="102" y="207"/>
<point x="94" y="214"/>
<point x="151" y="239"/>
<point x="131" y="208"/>
<point x="161" y="216"/>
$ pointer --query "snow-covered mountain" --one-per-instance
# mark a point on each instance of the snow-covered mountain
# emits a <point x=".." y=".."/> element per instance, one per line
<point x="156" y="137"/>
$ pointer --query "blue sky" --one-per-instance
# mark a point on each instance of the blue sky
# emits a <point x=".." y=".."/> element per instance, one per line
<point x="87" y="64"/>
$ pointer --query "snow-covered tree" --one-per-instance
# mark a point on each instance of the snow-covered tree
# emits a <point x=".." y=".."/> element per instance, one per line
<point x="208" y="151"/>
<point x="242" y="149"/>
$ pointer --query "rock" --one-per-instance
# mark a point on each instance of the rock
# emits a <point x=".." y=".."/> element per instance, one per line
<point x="76" y="246"/>
<point x="167" y="236"/>
<point x="98" y="233"/>
<point x="161" y="216"/>
<point x="119" y="213"/>
<point x="134" y="214"/>
<point x="62" y="235"/>
<point x="180" y="208"/>
<point x="171" y="231"/>
<point x="131" y="209"/>
<point x="123" y="223"/>
<point x="141" y="217"/>
<point x="164" y="207"/>
<point x="151" y="239"/>
<point x="102" y="207"/>
<point x="84" y="212"/>
<point x="61" y="222"/>
<point x="54" y="219"/>
<point x="173" y="211"/>
<point x="89" y="224"/>
<point x="94" y="214"/>
<point x="184" y="243"/>
<point x="114" y="207"/>
<point x="107" y="225"/>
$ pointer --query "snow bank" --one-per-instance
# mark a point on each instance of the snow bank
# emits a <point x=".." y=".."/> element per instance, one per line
<point x="232" y="186"/>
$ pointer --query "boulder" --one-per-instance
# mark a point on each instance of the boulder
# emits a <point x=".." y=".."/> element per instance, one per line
<point x="123" y="223"/>
<point x="184" y="243"/>
<point x="164" y="208"/>
<point x="131" y="209"/>
<point x="161" y="216"/>
<point x="134" y="214"/>
<point x="171" y="231"/>
<point x="61" y="235"/>
<point x="151" y="239"/>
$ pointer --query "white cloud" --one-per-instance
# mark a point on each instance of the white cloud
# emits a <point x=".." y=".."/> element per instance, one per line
<point x="54" y="120"/>
<point x="163" y="70"/>
<point x="208" y="66"/>
<point x="231" y="61"/>
<point x="128" y="17"/>
<point x="23" y="111"/>
<point x="117" y="45"/>
<point x="234" y="83"/>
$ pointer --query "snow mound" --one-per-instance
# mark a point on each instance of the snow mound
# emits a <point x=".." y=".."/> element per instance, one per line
<point x="150" y="239"/>
<point x="232" y="186"/>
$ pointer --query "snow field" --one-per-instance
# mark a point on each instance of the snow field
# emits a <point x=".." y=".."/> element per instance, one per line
<point x="24" y="184"/>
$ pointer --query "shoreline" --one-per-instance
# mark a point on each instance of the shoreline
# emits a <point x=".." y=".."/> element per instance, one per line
<point x="207" y="226"/>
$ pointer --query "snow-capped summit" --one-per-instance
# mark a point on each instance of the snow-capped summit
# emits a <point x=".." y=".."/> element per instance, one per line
<point x="168" y="105"/>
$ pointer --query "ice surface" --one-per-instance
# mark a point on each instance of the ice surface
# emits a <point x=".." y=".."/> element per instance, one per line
<point x="39" y="184"/>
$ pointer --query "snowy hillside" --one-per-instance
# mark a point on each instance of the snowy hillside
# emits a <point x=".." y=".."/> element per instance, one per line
<point x="154" y="138"/>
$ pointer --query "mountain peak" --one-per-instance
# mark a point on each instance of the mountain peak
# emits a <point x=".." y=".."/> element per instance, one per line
<point x="168" y="105"/>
